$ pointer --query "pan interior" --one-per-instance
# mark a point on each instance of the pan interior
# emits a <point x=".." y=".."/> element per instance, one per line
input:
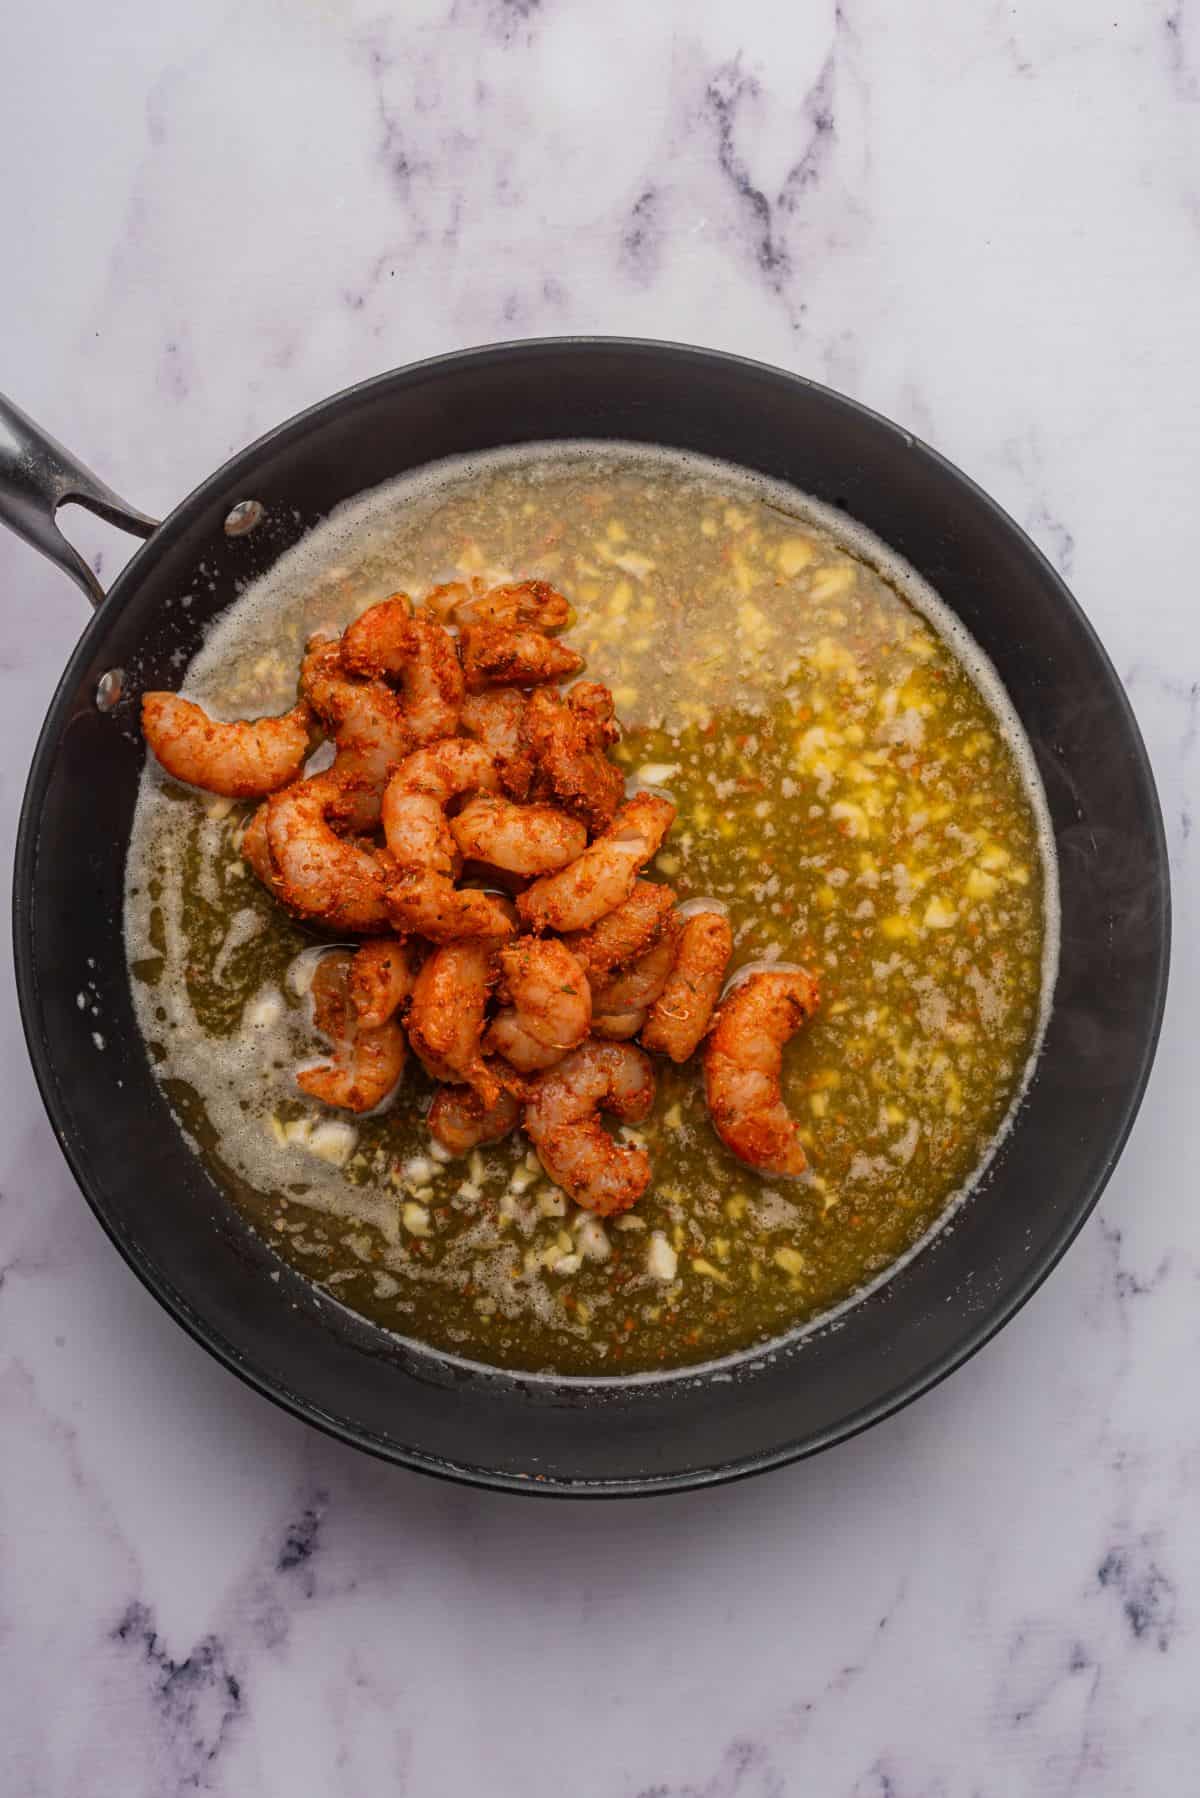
<point x="853" y="682"/>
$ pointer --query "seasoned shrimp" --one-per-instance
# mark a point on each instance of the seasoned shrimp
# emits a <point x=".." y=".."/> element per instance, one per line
<point x="424" y="903"/>
<point x="417" y="653"/>
<point x="445" y="601"/>
<point x="243" y="758"/>
<point x="367" y="1061"/>
<point x="620" y="1006"/>
<point x="414" y="805"/>
<point x="622" y="935"/>
<point x="522" y="839"/>
<point x="422" y="898"/>
<point x="742" y="1065"/>
<point x="605" y="874"/>
<point x="572" y="1144"/>
<point x="683" y="1010"/>
<point x="445" y="1019"/>
<point x="494" y="718"/>
<point x="495" y="655"/>
<point x="381" y="979"/>
<point x="257" y="852"/>
<point x="568" y="740"/>
<point x="367" y="721"/>
<point x="336" y="883"/>
<point x="460" y="1121"/>
<point x="550" y="1010"/>
<point x="532" y="603"/>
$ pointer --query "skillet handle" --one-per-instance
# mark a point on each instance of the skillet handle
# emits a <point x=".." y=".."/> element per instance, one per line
<point x="36" y="476"/>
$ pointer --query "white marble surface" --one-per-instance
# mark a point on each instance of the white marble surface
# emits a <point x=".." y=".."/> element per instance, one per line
<point x="983" y="219"/>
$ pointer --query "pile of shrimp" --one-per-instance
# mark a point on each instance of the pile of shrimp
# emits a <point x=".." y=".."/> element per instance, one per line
<point x="472" y="832"/>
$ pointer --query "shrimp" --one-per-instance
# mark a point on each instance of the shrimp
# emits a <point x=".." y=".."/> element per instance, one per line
<point x="368" y="724"/>
<point x="572" y="1144"/>
<point x="423" y="899"/>
<point x="593" y="703"/>
<point x="445" y="601"/>
<point x="385" y="641"/>
<point x="336" y="883"/>
<point x="424" y="903"/>
<point x="621" y="936"/>
<point x="568" y="740"/>
<point x="535" y="604"/>
<point x="445" y="1019"/>
<point x="494" y="718"/>
<point x="381" y="980"/>
<point x="604" y="876"/>
<point x="257" y="852"/>
<point x="460" y="1121"/>
<point x="522" y="839"/>
<point x="551" y="1005"/>
<point x="414" y="805"/>
<point x="367" y="1061"/>
<point x="495" y="655"/>
<point x="683" y="1010"/>
<point x="620" y="1006"/>
<point x="742" y="1065"/>
<point x="243" y="758"/>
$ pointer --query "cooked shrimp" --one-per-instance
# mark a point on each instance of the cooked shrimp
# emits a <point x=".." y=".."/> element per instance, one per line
<point x="495" y="655"/>
<point x="386" y="641"/>
<point x="742" y="1065"/>
<point x="683" y="1010"/>
<point x="593" y="703"/>
<point x="424" y="903"/>
<point x="338" y="884"/>
<point x="257" y="852"/>
<point x="381" y="979"/>
<point x="533" y="603"/>
<point x="367" y="721"/>
<point x="620" y="1006"/>
<point x="445" y="1019"/>
<point x="569" y="740"/>
<point x="423" y="899"/>
<point x="443" y="601"/>
<point x="572" y="1144"/>
<point x="494" y="718"/>
<point x="622" y="935"/>
<point x="460" y="1121"/>
<point x="522" y="839"/>
<point x="414" y="805"/>
<point x="605" y="874"/>
<point x="367" y="1061"/>
<point x="243" y="758"/>
<point x="550" y="1010"/>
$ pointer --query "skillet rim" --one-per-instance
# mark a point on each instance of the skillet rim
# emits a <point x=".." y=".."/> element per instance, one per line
<point x="141" y="566"/>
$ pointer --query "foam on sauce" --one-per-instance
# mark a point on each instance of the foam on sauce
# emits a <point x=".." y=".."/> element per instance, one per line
<point x="291" y="1164"/>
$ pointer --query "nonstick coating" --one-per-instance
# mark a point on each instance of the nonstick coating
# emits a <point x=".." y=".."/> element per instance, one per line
<point x="264" y="1320"/>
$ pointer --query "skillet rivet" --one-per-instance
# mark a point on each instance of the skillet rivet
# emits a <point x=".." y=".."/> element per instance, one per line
<point x="109" y="689"/>
<point x="243" y="517"/>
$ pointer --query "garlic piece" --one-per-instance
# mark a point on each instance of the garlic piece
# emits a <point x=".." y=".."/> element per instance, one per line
<point x="661" y="1259"/>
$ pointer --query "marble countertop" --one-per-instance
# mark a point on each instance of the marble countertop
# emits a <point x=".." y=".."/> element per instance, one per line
<point x="983" y="220"/>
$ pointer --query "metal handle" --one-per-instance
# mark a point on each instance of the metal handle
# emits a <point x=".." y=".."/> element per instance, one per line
<point x="36" y="476"/>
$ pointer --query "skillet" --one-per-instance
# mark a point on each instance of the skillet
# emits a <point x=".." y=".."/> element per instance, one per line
<point x="152" y="1194"/>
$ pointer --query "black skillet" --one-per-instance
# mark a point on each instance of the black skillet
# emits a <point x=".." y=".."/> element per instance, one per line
<point x="170" y="1221"/>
